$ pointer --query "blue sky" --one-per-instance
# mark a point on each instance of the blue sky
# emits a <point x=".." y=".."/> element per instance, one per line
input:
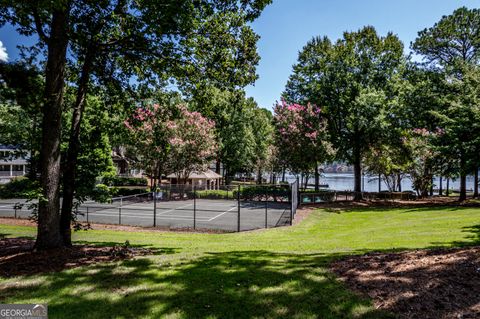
<point x="286" y="25"/>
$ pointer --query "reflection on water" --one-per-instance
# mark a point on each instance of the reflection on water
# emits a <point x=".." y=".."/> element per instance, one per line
<point x="344" y="181"/>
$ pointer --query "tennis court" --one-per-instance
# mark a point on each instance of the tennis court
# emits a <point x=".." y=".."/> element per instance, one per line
<point x="226" y="215"/>
<point x="188" y="212"/>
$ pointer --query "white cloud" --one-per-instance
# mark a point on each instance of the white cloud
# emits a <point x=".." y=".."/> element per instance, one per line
<point x="3" y="53"/>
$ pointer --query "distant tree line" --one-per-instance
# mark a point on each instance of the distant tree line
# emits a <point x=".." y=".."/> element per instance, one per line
<point x="383" y="113"/>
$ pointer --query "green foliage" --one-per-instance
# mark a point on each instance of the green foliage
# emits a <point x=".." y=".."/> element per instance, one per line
<point x="101" y="193"/>
<point x="274" y="193"/>
<point x="19" y="187"/>
<point x="127" y="191"/>
<point x="243" y="131"/>
<point x="215" y="194"/>
<point x="455" y="38"/>
<point x="351" y="79"/>
<point x="125" y="181"/>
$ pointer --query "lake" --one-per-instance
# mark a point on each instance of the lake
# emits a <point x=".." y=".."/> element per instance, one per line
<point x="344" y="181"/>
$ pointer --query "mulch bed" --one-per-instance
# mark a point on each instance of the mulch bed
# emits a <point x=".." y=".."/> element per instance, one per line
<point x="17" y="256"/>
<point x="439" y="283"/>
<point x="426" y="202"/>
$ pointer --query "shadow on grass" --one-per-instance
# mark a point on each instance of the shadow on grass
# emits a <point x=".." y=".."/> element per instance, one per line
<point x="472" y="239"/>
<point x="216" y="285"/>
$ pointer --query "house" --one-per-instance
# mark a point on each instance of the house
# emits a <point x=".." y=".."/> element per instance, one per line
<point x="207" y="179"/>
<point x="13" y="163"/>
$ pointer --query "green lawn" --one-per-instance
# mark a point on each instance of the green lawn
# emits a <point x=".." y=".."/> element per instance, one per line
<point x="263" y="274"/>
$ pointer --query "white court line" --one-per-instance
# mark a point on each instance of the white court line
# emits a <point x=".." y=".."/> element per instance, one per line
<point x="221" y="214"/>
<point x="171" y="210"/>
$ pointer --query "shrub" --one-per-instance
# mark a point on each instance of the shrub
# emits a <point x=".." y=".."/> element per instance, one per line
<point x="265" y="192"/>
<point x="124" y="181"/>
<point x="125" y="191"/>
<point x="216" y="194"/>
<point x="18" y="187"/>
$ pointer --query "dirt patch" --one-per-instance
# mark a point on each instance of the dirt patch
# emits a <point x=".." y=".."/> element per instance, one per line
<point x="26" y="222"/>
<point x="302" y="214"/>
<point x="17" y="256"/>
<point x="440" y="283"/>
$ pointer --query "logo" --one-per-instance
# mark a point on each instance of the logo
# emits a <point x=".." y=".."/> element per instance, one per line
<point x="26" y="311"/>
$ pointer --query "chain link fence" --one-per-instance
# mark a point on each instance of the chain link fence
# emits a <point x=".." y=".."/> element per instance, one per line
<point x="229" y="208"/>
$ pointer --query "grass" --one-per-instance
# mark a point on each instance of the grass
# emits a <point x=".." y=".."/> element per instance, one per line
<point x="263" y="274"/>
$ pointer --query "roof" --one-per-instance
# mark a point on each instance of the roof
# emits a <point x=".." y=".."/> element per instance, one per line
<point x="9" y="147"/>
<point x="207" y="174"/>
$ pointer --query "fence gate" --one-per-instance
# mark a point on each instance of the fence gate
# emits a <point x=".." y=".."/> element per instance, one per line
<point x="293" y="200"/>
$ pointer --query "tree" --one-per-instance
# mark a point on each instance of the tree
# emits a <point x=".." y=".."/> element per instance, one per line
<point x="423" y="153"/>
<point x="453" y="46"/>
<point x="302" y="137"/>
<point x="351" y="80"/>
<point x="460" y="121"/>
<point x="150" y="137"/>
<point x="118" y="40"/>
<point x="192" y="143"/>
<point x="20" y="109"/>
<point x="263" y="135"/>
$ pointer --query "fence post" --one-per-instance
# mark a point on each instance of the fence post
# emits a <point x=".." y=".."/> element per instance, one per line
<point x="194" y="207"/>
<point x="15" y="208"/>
<point x="238" y="204"/>
<point x="87" y="215"/>
<point x="120" y="215"/>
<point x="266" y="207"/>
<point x="155" y="208"/>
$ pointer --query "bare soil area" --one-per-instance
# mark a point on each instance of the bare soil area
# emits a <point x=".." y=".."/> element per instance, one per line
<point x="439" y="283"/>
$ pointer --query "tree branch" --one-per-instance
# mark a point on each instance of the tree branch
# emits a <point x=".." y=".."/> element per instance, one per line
<point x="38" y="25"/>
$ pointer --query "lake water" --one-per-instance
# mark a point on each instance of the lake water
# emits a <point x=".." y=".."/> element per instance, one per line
<point x="344" y="181"/>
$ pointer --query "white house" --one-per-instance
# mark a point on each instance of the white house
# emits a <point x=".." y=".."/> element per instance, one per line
<point x="12" y="164"/>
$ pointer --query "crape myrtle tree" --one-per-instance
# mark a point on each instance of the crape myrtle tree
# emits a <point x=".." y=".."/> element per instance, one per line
<point x="452" y="45"/>
<point x="192" y="143"/>
<point x="350" y="79"/>
<point x="149" y="137"/>
<point x="302" y="138"/>
<point x="111" y="42"/>
<point x="171" y="139"/>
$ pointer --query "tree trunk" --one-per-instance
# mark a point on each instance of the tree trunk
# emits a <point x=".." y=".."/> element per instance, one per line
<point x="70" y="169"/>
<point x="379" y="183"/>
<point x="475" y="184"/>
<point x="463" y="178"/>
<point x="447" y="192"/>
<point x="48" y="231"/>
<point x="431" y="186"/>
<point x="357" y="170"/>
<point x="217" y="166"/>
<point x="259" y="176"/>
<point x="283" y="175"/>
<point x="399" y="181"/>
<point x="463" y="187"/>
<point x="440" y="187"/>
<point x="317" y="178"/>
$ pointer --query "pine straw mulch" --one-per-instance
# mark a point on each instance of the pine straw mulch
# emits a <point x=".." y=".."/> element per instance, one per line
<point x="438" y="283"/>
<point x="17" y="256"/>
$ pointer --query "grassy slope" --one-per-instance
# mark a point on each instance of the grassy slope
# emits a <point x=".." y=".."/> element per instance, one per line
<point x="274" y="273"/>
